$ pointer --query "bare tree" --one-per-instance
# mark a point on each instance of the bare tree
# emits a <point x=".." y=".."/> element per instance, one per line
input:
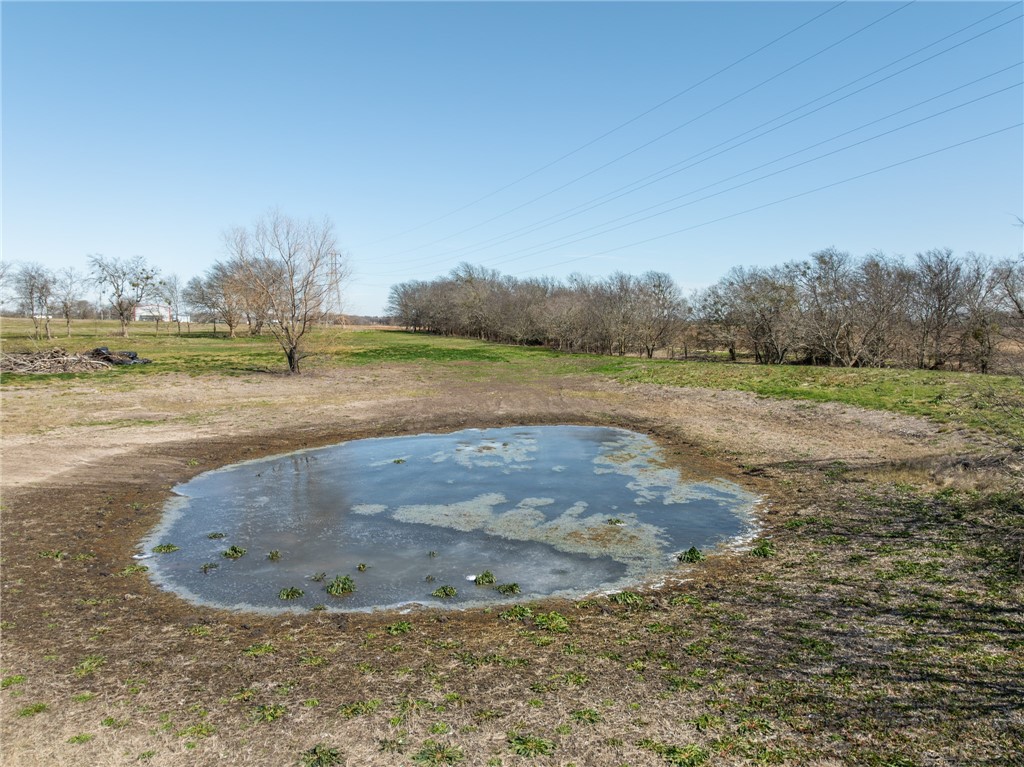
<point x="718" y="321"/>
<point x="767" y="304"/>
<point x="219" y="294"/>
<point x="297" y="268"/>
<point x="6" y="273"/>
<point x="937" y="300"/>
<point x="33" y="287"/>
<point x="170" y="291"/>
<point x="659" y="311"/>
<point x="68" y="292"/>
<point x="130" y="282"/>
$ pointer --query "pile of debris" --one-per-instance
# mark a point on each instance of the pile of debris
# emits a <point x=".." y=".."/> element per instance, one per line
<point x="62" y="361"/>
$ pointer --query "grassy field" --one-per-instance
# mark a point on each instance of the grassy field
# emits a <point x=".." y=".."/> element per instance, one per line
<point x="960" y="399"/>
<point x="875" y="621"/>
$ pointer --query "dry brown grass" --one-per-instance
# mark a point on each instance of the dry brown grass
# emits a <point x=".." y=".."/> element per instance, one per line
<point x="887" y="630"/>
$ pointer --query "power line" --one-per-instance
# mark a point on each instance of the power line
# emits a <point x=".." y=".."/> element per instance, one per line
<point x="664" y="173"/>
<point x="783" y="199"/>
<point x="557" y="242"/>
<point x="745" y="183"/>
<point x="617" y="128"/>
<point x="665" y="134"/>
<point x="674" y="168"/>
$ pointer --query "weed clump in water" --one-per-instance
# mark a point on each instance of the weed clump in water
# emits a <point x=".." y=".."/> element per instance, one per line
<point x="233" y="552"/>
<point x="486" y="578"/>
<point x="507" y="589"/>
<point x="290" y="593"/>
<point x="444" y="592"/>
<point x="341" y="585"/>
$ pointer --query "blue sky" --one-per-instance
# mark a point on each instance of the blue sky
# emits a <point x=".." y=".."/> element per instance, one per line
<point x="150" y="128"/>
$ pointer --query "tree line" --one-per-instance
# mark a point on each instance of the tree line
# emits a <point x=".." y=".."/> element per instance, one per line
<point x="282" y="275"/>
<point x="937" y="310"/>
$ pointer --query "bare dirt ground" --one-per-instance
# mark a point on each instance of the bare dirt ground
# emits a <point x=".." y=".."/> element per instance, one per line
<point x="741" y="665"/>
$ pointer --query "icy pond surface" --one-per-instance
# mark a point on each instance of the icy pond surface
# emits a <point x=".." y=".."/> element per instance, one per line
<point x="561" y="510"/>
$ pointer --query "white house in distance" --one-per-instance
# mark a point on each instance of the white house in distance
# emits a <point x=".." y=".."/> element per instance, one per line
<point x="153" y="313"/>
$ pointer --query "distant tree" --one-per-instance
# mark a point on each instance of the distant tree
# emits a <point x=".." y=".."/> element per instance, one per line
<point x="659" y="311"/>
<point x="68" y="287"/>
<point x="130" y="282"/>
<point x="717" y="319"/>
<point x="766" y="303"/>
<point x="6" y="273"/>
<point x="296" y="268"/>
<point x="218" y="294"/>
<point x="171" y="292"/>
<point x="937" y="302"/>
<point x="1009" y="277"/>
<point x="33" y="287"/>
<point x="407" y="305"/>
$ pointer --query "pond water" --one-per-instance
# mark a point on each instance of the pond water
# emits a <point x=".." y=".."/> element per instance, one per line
<point x="547" y="510"/>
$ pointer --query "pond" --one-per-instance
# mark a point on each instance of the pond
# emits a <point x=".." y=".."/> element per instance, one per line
<point x="451" y="520"/>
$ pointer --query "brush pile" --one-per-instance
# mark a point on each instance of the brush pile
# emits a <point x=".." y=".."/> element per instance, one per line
<point x="62" y="361"/>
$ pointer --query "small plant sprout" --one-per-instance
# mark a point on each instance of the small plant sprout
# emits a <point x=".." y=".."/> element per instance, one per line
<point x="32" y="709"/>
<point x="486" y="578"/>
<point x="165" y="548"/>
<point x="216" y="536"/>
<point x="233" y="552"/>
<point x="318" y="577"/>
<point x="444" y="592"/>
<point x="434" y="753"/>
<point x="627" y="599"/>
<point x="402" y="627"/>
<point x="290" y="593"/>
<point x="55" y="554"/>
<point x="341" y="585"/>
<point x="529" y="745"/>
<point x="586" y="716"/>
<point x="359" y="708"/>
<point x="691" y="555"/>
<point x="89" y="664"/>
<point x="765" y="550"/>
<point x="507" y="589"/>
<point x="552" y="621"/>
<point x="132" y="570"/>
<point x="259" y="649"/>
<point x="321" y="755"/>
<point x="516" y="613"/>
<point x="361" y="567"/>
<point x="431" y="554"/>
<point x="268" y="713"/>
<point x="615" y="521"/>
<point x="11" y="681"/>
<point x="206" y="567"/>
<point x="274" y="555"/>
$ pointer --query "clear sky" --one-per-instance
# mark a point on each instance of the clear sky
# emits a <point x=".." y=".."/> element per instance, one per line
<point x="512" y="134"/>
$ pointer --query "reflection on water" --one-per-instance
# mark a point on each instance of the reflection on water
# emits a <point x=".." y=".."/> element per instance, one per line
<point x="553" y="509"/>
